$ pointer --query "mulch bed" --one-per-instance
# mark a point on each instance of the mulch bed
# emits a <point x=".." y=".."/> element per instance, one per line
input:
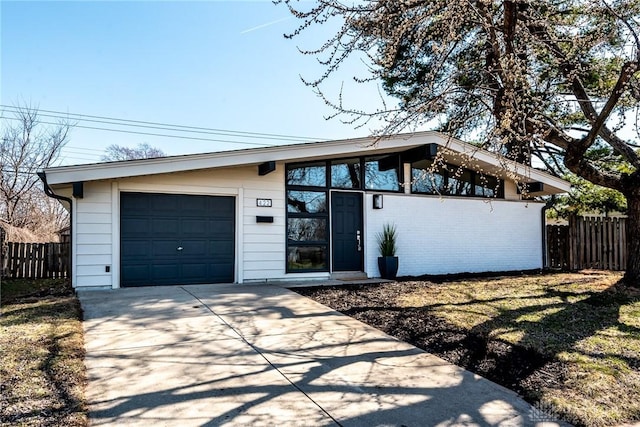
<point x="522" y="370"/>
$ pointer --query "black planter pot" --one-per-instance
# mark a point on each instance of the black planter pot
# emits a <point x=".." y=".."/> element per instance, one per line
<point x="388" y="266"/>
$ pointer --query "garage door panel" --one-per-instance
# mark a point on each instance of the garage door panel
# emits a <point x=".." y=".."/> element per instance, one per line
<point x="164" y="202"/>
<point x="195" y="205"/>
<point x="137" y="273"/>
<point x="221" y="212"/>
<point x="136" y="226"/>
<point x="134" y="205"/>
<point x="194" y="248"/>
<point x="222" y="225"/>
<point x="154" y="226"/>
<point x="164" y="226"/>
<point x="221" y="272"/>
<point x="194" y="271"/>
<point x="165" y="272"/>
<point x="136" y="249"/>
<point x="194" y="226"/>
<point x="222" y="249"/>
<point x="165" y="248"/>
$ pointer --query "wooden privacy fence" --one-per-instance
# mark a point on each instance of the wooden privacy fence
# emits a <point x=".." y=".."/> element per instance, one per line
<point x="588" y="242"/>
<point x="34" y="260"/>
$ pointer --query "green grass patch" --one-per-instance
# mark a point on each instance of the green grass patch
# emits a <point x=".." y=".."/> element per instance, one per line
<point x="581" y="319"/>
<point x="42" y="351"/>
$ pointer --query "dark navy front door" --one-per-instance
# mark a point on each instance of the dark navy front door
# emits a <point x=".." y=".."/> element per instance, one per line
<point x="346" y="231"/>
<point x="171" y="239"/>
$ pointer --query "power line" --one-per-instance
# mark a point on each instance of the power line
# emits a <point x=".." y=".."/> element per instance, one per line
<point x="97" y="150"/>
<point x="79" y="152"/>
<point x="164" y="126"/>
<point x="192" y="138"/>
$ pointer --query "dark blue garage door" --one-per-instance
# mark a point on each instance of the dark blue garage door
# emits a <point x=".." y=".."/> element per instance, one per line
<point x="172" y="239"/>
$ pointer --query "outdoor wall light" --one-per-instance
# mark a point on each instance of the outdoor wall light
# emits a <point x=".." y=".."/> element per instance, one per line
<point x="377" y="201"/>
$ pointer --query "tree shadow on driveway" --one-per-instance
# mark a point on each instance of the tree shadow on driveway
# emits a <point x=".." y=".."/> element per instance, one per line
<point x="275" y="359"/>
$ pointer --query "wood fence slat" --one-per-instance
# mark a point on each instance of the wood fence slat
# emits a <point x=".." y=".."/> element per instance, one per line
<point x="35" y="260"/>
<point x="599" y="253"/>
<point x="582" y="234"/>
<point x="40" y="265"/>
<point x="51" y="260"/>
<point x="9" y="260"/>
<point x="15" y="260"/>
<point x="623" y="243"/>
<point x="43" y="260"/>
<point x="57" y="261"/>
<point x="588" y="242"/>
<point x="23" y="258"/>
<point x="572" y="245"/>
<point x="611" y="248"/>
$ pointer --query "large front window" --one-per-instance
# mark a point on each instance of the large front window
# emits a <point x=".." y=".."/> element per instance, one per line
<point x="307" y="218"/>
<point x="346" y="173"/>
<point x="382" y="173"/>
<point x="428" y="177"/>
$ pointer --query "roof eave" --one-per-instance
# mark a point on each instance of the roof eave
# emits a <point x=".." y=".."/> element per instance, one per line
<point x="297" y="152"/>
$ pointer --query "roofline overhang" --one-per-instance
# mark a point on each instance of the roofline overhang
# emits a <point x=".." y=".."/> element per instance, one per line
<point x="301" y="152"/>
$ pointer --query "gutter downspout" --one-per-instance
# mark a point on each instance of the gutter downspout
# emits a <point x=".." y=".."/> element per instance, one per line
<point x="543" y="213"/>
<point x="49" y="192"/>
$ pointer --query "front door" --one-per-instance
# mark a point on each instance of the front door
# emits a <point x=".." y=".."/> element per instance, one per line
<point x="346" y="231"/>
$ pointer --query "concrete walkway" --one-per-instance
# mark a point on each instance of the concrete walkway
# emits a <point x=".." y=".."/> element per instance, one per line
<point x="209" y="355"/>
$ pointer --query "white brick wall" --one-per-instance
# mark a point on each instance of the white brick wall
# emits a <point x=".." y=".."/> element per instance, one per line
<point x="455" y="235"/>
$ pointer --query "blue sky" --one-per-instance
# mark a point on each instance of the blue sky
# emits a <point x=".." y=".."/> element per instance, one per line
<point x="213" y="64"/>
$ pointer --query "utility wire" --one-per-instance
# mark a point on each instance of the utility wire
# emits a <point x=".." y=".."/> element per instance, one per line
<point x="192" y="138"/>
<point x="163" y="126"/>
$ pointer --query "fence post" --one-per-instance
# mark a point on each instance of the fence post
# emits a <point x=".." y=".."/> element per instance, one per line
<point x="4" y="262"/>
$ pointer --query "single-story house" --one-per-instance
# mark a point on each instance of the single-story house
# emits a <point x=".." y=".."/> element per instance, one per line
<point x="303" y="211"/>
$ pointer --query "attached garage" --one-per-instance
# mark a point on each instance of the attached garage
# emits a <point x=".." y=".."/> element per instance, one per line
<point x="173" y="239"/>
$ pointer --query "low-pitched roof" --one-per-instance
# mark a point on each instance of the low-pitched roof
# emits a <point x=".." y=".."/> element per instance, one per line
<point x="453" y="149"/>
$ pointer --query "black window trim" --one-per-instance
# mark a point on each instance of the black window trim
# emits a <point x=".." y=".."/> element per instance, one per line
<point x="328" y="162"/>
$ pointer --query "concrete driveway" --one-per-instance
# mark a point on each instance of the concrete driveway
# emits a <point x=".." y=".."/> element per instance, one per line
<point x="210" y="355"/>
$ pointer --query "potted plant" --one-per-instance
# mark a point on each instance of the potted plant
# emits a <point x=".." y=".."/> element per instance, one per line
<point x="387" y="261"/>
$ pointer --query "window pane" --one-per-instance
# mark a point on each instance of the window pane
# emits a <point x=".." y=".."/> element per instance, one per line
<point x="375" y="179"/>
<point x="346" y="173"/>
<point x="487" y="186"/>
<point x="307" y="229"/>
<point x="460" y="181"/>
<point x="306" y="201"/>
<point x="313" y="174"/>
<point x="426" y="178"/>
<point x="307" y="258"/>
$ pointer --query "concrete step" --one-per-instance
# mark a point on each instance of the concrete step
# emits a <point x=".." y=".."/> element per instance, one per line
<point x="349" y="275"/>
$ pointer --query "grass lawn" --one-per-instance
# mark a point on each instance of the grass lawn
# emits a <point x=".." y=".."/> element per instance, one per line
<point x="42" y="372"/>
<point x="569" y="343"/>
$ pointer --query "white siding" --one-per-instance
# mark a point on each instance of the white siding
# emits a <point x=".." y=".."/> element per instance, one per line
<point x="92" y="236"/>
<point x="264" y="243"/>
<point x="456" y="235"/>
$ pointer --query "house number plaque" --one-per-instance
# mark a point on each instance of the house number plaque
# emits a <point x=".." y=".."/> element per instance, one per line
<point x="264" y="203"/>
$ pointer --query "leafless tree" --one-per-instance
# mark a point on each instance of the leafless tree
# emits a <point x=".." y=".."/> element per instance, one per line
<point x="141" y="151"/>
<point x="27" y="147"/>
